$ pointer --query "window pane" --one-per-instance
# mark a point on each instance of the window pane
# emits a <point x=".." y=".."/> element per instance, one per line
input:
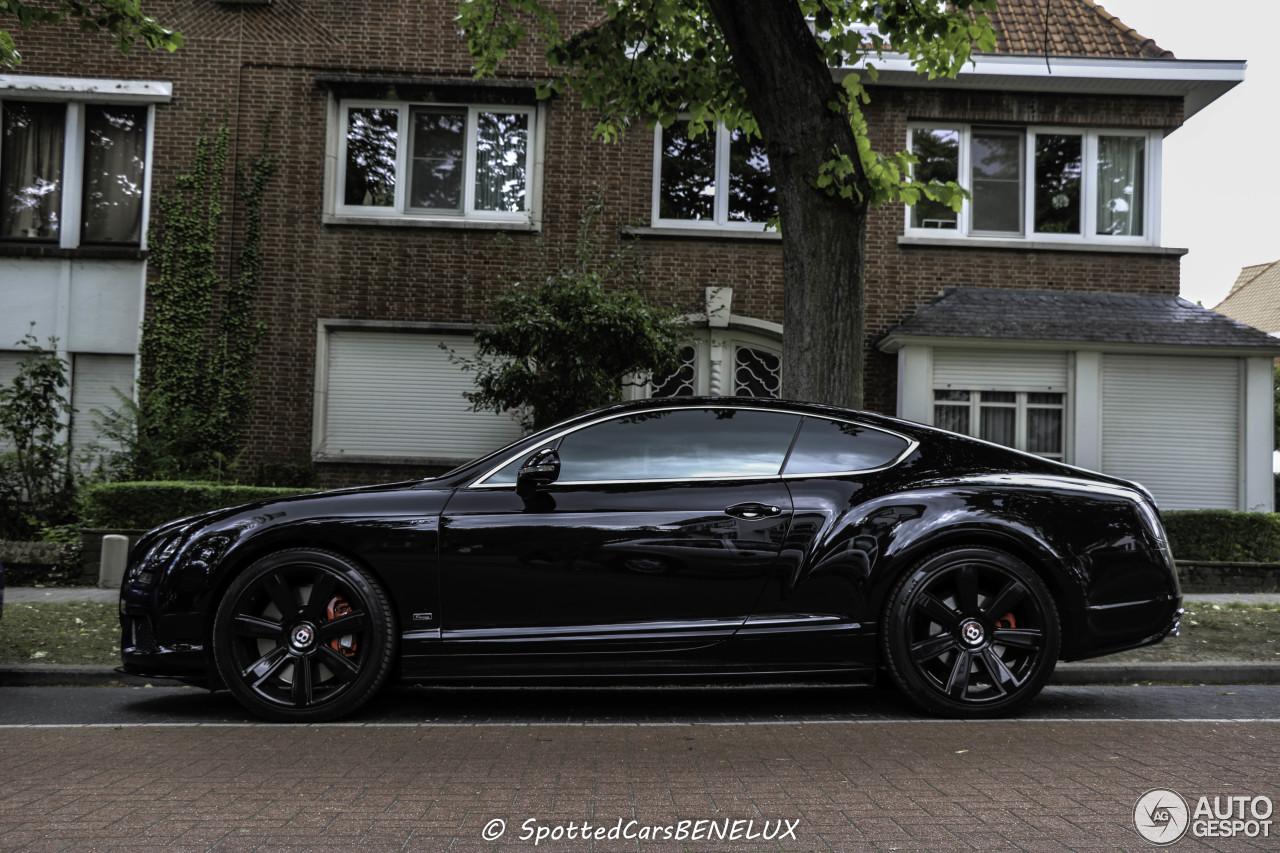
<point x="1121" y="191"/>
<point x="955" y="396"/>
<point x="697" y="443"/>
<point x="372" y="136"/>
<point x="1009" y="397"/>
<point x="502" y="145"/>
<point x="756" y="373"/>
<point x="114" y="168"/>
<point x="938" y="152"/>
<point x="751" y="192"/>
<point x="997" y="180"/>
<point x="1059" y="163"/>
<point x="998" y="425"/>
<point x="31" y="170"/>
<point x="1044" y="431"/>
<point x="954" y="418"/>
<point x="681" y="382"/>
<point x="1044" y="399"/>
<point x="439" y="138"/>
<point x="828" y="447"/>
<point x="687" y="185"/>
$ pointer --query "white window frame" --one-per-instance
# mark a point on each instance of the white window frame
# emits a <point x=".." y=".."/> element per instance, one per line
<point x="720" y="205"/>
<point x="1020" y="406"/>
<point x="964" y="229"/>
<point x="398" y="210"/>
<point x="72" y="204"/>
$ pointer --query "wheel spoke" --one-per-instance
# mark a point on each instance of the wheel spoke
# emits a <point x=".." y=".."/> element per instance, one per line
<point x="281" y="595"/>
<point x="1018" y="638"/>
<point x="344" y="669"/>
<point x="967" y="590"/>
<point x="350" y="623"/>
<point x="1005" y="600"/>
<point x="1001" y="677"/>
<point x="928" y="649"/>
<point x="302" y="692"/>
<point x="958" y="681"/>
<point x="267" y="665"/>
<point x="937" y="611"/>
<point x="321" y="594"/>
<point x="245" y="625"/>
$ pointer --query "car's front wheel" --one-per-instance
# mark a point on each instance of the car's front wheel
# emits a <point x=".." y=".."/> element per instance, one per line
<point x="970" y="632"/>
<point x="303" y="635"/>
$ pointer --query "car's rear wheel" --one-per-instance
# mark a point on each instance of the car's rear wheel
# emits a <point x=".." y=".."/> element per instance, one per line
<point x="304" y="635"/>
<point x="970" y="632"/>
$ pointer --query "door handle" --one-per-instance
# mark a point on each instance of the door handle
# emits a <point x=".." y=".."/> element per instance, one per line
<point x="751" y="511"/>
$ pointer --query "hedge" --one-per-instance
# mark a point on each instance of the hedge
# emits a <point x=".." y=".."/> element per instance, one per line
<point x="1220" y="535"/>
<point x="141" y="506"/>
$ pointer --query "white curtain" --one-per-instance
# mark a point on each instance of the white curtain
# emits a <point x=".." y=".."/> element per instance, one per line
<point x="1121" y="169"/>
<point x="114" y="168"/>
<point x="31" y="170"/>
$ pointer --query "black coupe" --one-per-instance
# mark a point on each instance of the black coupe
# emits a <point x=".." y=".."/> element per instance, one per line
<point x="693" y="539"/>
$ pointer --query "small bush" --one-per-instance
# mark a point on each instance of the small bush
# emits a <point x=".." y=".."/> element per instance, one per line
<point x="138" y="506"/>
<point x="1223" y="536"/>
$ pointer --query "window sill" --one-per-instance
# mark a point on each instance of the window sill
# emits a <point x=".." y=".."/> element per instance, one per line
<point x="424" y="222"/>
<point x="701" y="233"/>
<point x="1035" y="246"/>
<point x="83" y="253"/>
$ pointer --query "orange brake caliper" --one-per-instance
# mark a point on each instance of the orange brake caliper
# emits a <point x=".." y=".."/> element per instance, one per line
<point x="346" y="644"/>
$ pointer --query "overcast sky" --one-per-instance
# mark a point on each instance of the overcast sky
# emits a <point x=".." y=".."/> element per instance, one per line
<point x="1217" y="199"/>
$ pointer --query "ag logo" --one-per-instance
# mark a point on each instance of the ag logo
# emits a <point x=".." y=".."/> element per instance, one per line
<point x="1161" y="816"/>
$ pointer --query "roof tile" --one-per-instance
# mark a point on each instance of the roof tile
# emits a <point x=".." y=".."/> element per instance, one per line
<point x="1076" y="28"/>
<point x="1255" y="297"/>
<point x="1042" y="315"/>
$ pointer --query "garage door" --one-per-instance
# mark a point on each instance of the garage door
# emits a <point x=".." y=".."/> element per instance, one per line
<point x="95" y="380"/>
<point x="396" y="394"/>
<point x="1173" y="424"/>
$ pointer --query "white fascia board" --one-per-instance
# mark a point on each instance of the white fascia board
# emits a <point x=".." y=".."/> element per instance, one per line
<point x="87" y="89"/>
<point x="1199" y="82"/>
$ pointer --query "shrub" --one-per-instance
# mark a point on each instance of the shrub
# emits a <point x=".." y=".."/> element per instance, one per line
<point x="132" y="506"/>
<point x="1224" y="536"/>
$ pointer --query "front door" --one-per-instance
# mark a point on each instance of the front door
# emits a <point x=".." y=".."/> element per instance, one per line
<point x="659" y="534"/>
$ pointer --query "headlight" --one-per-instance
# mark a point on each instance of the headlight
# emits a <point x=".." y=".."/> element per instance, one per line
<point x="157" y="556"/>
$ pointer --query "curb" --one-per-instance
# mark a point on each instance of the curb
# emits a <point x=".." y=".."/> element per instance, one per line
<point x="1212" y="672"/>
<point x="69" y="675"/>
<point x="1207" y="672"/>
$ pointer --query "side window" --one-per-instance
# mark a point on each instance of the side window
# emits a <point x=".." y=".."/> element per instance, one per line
<point x="678" y="445"/>
<point x="831" y="447"/>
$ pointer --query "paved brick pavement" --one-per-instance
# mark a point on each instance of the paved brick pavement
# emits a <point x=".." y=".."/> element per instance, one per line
<point x="873" y="786"/>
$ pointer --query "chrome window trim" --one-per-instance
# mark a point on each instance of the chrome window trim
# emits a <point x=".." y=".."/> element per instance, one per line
<point x="912" y="444"/>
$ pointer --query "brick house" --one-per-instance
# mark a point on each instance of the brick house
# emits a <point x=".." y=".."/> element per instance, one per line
<point x="408" y="192"/>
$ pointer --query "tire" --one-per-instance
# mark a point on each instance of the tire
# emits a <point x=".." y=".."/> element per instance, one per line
<point x="948" y="649"/>
<point x="304" y="636"/>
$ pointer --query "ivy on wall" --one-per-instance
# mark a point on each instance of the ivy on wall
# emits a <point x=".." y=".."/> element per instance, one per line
<point x="197" y="363"/>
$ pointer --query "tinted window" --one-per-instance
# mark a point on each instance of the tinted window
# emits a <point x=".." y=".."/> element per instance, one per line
<point x="828" y="447"/>
<point x="684" y="444"/>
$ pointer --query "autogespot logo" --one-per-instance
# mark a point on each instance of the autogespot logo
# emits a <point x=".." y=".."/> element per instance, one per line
<point x="1161" y="816"/>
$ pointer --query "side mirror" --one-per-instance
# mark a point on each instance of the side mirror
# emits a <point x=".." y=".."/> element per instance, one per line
<point x="540" y="469"/>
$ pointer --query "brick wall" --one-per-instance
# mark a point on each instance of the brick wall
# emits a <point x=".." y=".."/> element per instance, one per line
<point x="248" y="61"/>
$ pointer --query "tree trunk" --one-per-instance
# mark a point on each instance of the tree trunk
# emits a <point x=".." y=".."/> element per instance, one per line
<point x="789" y="89"/>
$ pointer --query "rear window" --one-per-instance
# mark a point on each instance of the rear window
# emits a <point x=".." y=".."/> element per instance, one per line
<point x="831" y="447"/>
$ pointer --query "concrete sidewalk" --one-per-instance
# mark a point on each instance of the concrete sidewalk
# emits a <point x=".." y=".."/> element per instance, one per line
<point x="1084" y="672"/>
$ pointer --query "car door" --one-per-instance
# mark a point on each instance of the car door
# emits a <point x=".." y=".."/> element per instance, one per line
<point x="658" y="534"/>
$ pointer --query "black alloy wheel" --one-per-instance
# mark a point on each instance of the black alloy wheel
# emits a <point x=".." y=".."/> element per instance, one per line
<point x="303" y="636"/>
<point x="970" y="632"/>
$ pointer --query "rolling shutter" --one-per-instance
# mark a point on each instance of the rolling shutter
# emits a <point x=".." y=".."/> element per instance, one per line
<point x="1172" y="424"/>
<point x="997" y="370"/>
<point x="397" y="394"/>
<point x="92" y="380"/>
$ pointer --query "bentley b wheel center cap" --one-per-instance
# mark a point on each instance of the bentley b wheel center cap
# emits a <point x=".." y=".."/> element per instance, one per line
<point x="303" y="636"/>
<point x="972" y="633"/>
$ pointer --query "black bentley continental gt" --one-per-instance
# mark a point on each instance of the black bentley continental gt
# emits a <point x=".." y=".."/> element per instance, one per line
<point x="664" y="540"/>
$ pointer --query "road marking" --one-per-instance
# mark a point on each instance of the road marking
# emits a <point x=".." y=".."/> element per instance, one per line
<point x="431" y="724"/>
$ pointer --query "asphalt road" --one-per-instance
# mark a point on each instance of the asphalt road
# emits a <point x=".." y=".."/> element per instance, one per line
<point x="467" y="706"/>
<point x="470" y="769"/>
